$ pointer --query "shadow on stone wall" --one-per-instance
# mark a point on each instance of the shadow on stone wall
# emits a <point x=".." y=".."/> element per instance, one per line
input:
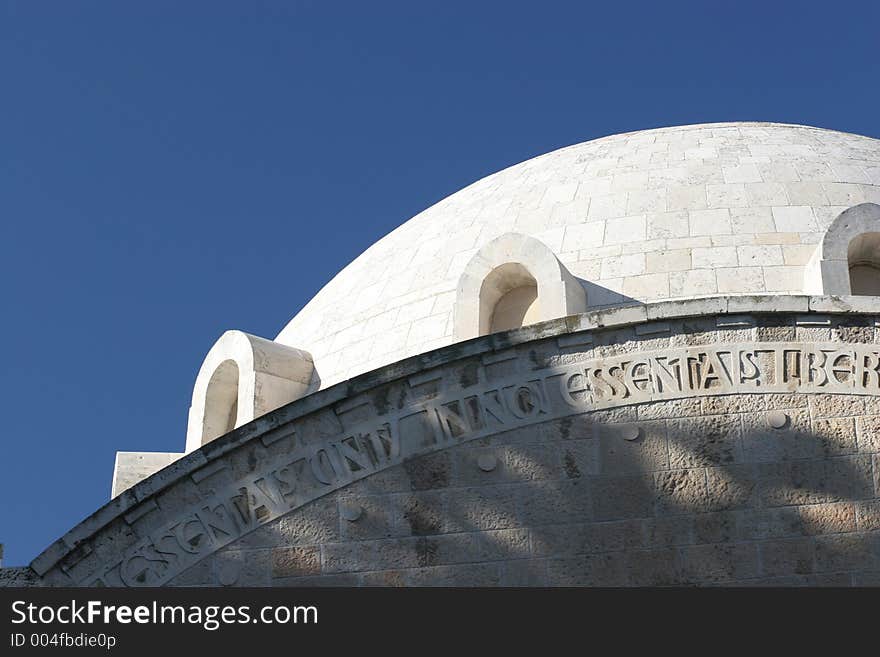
<point x="713" y="499"/>
<point x="689" y="492"/>
<point x="602" y="297"/>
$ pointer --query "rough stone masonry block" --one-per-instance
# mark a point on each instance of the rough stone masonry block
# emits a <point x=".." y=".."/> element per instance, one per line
<point x="815" y="481"/>
<point x="608" y="569"/>
<point x="837" y="435"/>
<point x="775" y="333"/>
<point x="792" y="556"/>
<point x="476" y="546"/>
<point x="847" y="552"/>
<point x="371" y="555"/>
<point x="423" y="513"/>
<point x="868" y="430"/>
<point x="876" y="471"/>
<point x="399" y="553"/>
<point x="483" y="508"/>
<point x="654" y="568"/>
<point x="678" y="492"/>
<point x="348" y="557"/>
<point x="376" y="519"/>
<point x="554" y="501"/>
<point x="822" y="518"/>
<point x="533" y="462"/>
<point x="429" y="471"/>
<point x="242" y="567"/>
<point x="385" y="578"/>
<point x="762" y="442"/>
<point x="670" y="530"/>
<point x="613" y="416"/>
<point x="395" y="479"/>
<point x="720" y="562"/>
<point x="728" y="404"/>
<point x="481" y="466"/>
<point x="618" y="498"/>
<point x="340" y="580"/>
<point x="580" y="458"/>
<point x="476" y="465"/>
<point x="868" y="515"/>
<point x="717" y="527"/>
<point x="784" y="401"/>
<point x="674" y="408"/>
<point x="132" y="467"/>
<point x="836" y="406"/>
<point x="524" y="572"/>
<point x="863" y="333"/>
<point x="586" y="538"/>
<point x="202" y="574"/>
<point x="296" y="561"/>
<point x="705" y="441"/>
<point x="633" y="447"/>
<point x="865" y="579"/>
<point x="731" y="487"/>
<point x="313" y="524"/>
<point x="488" y="574"/>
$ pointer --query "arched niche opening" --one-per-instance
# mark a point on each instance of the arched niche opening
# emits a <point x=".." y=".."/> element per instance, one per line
<point x="221" y="401"/>
<point x="243" y="377"/>
<point x="846" y="259"/>
<point x="512" y="281"/>
<point x="863" y="260"/>
<point x="508" y="299"/>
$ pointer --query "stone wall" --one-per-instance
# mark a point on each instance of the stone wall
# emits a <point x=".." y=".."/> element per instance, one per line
<point x="696" y="491"/>
<point x="651" y="445"/>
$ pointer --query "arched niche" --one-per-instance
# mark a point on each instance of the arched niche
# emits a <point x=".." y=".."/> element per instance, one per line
<point x="513" y="281"/>
<point x="221" y="400"/>
<point x="863" y="259"/>
<point x="849" y="252"/>
<point x="514" y="294"/>
<point x="243" y="377"/>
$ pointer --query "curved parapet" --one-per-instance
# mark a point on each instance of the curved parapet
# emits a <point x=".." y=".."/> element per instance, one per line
<point x="676" y="442"/>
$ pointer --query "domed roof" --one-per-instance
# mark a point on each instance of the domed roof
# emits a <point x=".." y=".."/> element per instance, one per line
<point x="728" y="208"/>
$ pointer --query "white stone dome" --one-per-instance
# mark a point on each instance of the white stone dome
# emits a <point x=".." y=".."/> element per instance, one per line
<point x="689" y="211"/>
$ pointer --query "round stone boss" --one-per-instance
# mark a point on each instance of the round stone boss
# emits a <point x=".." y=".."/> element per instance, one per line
<point x="777" y="419"/>
<point x="351" y="512"/>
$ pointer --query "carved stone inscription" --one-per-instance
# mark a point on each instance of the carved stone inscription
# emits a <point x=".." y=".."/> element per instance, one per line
<point x="457" y="415"/>
<point x="306" y="474"/>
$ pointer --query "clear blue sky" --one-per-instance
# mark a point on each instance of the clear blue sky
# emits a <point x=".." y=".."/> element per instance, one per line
<point x="170" y="170"/>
